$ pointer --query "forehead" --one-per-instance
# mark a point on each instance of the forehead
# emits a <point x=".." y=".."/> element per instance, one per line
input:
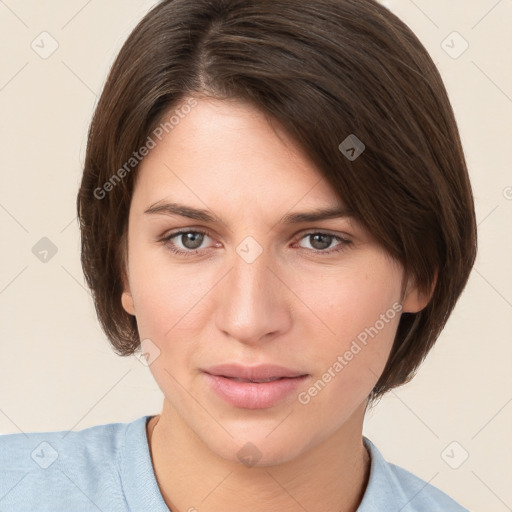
<point x="227" y="153"/>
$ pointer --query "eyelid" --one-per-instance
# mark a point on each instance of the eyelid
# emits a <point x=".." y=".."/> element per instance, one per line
<point x="301" y="234"/>
<point x="323" y="231"/>
<point x="172" y="234"/>
<point x="179" y="231"/>
<point x="343" y="239"/>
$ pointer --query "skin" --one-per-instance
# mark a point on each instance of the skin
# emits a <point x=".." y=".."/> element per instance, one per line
<point x="293" y="305"/>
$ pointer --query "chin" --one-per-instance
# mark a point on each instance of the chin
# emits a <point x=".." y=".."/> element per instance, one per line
<point x="263" y="453"/>
<point x="260" y="445"/>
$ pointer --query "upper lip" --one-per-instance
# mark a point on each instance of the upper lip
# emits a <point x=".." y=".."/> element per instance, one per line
<point x="263" y="371"/>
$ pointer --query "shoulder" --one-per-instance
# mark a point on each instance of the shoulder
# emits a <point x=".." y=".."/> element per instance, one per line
<point x="26" y="451"/>
<point x="63" y="469"/>
<point x="401" y="490"/>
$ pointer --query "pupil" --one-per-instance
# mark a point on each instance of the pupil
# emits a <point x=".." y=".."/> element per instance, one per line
<point x="194" y="238"/>
<point x="321" y="245"/>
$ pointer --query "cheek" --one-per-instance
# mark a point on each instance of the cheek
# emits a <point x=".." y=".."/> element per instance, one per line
<point x="360" y="311"/>
<point x="351" y="299"/>
<point x="167" y="297"/>
<point x="172" y="304"/>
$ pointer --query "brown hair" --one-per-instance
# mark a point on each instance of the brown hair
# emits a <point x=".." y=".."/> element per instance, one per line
<point x="324" y="69"/>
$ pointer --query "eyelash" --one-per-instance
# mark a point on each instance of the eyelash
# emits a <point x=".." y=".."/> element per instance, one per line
<point x="170" y="245"/>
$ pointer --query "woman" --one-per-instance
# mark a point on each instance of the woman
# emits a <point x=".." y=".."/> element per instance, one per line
<point x="275" y="209"/>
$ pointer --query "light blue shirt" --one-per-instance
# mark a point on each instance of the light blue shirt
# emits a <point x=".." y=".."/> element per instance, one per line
<point x="108" y="468"/>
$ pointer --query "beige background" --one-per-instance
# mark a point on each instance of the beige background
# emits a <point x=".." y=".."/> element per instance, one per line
<point x="57" y="371"/>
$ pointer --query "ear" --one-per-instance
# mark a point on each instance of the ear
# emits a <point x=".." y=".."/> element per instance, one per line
<point x="415" y="300"/>
<point x="126" y="298"/>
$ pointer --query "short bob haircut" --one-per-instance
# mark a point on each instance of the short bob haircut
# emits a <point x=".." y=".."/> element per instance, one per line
<point x="324" y="70"/>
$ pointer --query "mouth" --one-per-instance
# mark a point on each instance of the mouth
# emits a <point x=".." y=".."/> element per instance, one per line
<point x="256" y="387"/>
<point x="260" y="373"/>
<point x="257" y="381"/>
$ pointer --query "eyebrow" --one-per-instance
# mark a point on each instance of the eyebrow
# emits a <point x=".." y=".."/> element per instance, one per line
<point x="172" y="209"/>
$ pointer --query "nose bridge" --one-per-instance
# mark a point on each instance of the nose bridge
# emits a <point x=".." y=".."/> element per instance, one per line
<point x="250" y="278"/>
<point x="252" y="305"/>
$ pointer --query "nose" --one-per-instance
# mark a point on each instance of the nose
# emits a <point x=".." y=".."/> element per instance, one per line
<point x="253" y="302"/>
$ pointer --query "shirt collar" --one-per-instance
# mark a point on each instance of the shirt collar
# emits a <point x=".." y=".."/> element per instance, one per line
<point x="139" y="481"/>
<point x="379" y="493"/>
<point x="142" y="491"/>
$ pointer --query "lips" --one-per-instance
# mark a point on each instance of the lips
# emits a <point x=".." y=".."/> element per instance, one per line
<point x="256" y="387"/>
<point x="256" y="381"/>
<point x="261" y="373"/>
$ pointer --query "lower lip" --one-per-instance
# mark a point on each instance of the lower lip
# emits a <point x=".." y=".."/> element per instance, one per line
<point x="253" y="395"/>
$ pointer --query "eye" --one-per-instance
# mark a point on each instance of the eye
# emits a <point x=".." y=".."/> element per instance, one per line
<point x="187" y="242"/>
<point x="321" y="241"/>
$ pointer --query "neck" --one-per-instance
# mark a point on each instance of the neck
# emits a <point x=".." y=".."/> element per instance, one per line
<point x="331" y="477"/>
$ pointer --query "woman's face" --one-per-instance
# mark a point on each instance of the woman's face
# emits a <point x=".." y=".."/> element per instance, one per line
<point x="309" y="306"/>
